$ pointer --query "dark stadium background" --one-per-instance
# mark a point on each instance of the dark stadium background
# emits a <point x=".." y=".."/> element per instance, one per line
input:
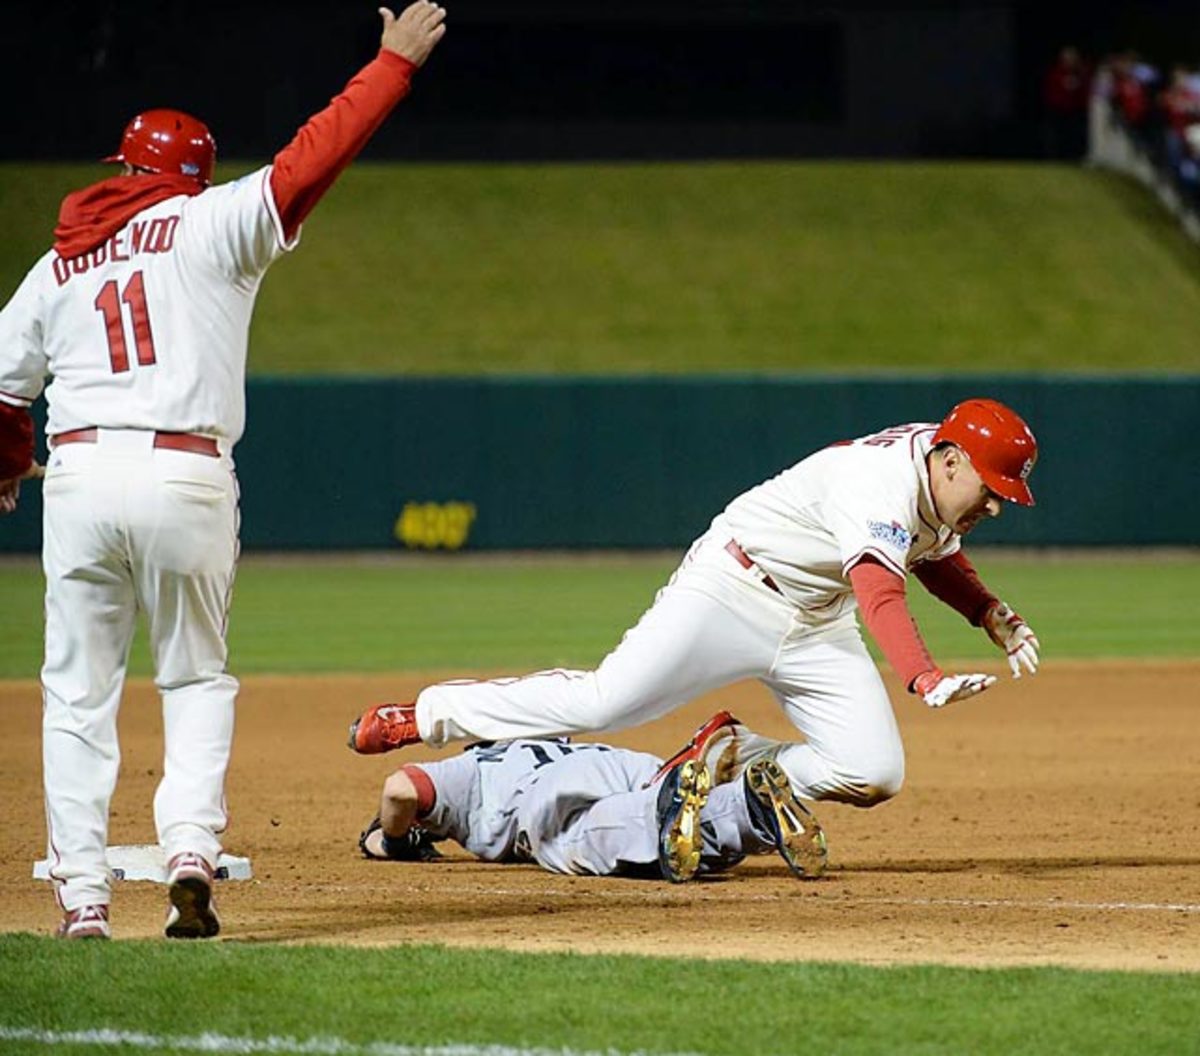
<point x="538" y="79"/>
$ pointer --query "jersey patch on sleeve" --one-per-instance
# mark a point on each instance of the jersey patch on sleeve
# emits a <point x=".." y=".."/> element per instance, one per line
<point x="893" y="534"/>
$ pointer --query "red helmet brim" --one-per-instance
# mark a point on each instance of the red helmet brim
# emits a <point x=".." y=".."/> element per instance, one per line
<point x="1013" y="489"/>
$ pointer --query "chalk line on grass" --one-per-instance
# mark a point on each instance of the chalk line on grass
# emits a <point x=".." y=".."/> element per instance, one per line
<point x="105" y="1037"/>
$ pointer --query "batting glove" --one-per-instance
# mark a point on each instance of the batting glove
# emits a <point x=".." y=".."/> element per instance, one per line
<point x="938" y="689"/>
<point x="1014" y="636"/>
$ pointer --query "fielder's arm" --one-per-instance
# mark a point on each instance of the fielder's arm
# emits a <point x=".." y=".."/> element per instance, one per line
<point x="884" y="607"/>
<point x="953" y="580"/>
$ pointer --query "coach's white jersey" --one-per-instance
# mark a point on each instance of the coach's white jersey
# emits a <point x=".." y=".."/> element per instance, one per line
<point x="148" y="330"/>
<point x="810" y="524"/>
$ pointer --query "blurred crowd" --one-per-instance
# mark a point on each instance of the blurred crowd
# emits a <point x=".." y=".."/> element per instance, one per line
<point x="1123" y="102"/>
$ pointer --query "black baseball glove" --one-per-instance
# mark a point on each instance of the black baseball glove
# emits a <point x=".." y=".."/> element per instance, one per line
<point x="416" y="845"/>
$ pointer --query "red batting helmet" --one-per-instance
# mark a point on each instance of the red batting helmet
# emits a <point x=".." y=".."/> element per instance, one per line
<point x="999" y="444"/>
<point x="168" y="141"/>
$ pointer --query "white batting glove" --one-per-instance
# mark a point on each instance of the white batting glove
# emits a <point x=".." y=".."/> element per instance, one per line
<point x="938" y="689"/>
<point x="1014" y="636"/>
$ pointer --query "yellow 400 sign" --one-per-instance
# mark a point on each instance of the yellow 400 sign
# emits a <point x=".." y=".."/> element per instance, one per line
<point x="435" y="525"/>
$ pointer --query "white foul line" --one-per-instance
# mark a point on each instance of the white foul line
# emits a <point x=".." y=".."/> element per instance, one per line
<point x="1038" y="903"/>
<point x="224" y="1043"/>
<point x="682" y="896"/>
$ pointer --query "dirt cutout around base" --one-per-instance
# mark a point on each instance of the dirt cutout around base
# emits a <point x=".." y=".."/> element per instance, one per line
<point x="1053" y="820"/>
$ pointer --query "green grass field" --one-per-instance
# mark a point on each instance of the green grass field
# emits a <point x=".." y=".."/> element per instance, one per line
<point x="495" y="613"/>
<point x="721" y="267"/>
<point x="419" y="1000"/>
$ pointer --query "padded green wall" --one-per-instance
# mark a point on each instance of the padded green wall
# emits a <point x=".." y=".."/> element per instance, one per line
<point x="646" y="462"/>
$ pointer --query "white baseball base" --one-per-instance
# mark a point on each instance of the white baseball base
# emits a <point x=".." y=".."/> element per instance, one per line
<point x="146" y="863"/>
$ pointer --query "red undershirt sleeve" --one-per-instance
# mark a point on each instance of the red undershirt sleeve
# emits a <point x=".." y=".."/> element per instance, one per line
<point x="16" y="441"/>
<point x="306" y="168"/>
<point x="953" y="580"/>
<point x="881" y="600"/>
<point x="426" y="792"/>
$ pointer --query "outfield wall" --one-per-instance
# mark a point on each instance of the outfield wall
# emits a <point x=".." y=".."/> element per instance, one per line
<point x="556" y="462"/>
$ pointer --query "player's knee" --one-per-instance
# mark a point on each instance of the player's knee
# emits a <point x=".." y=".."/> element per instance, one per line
<point x="875" y="784"/>
<point x="870" y="795"/>
<point x="861" y="782"/>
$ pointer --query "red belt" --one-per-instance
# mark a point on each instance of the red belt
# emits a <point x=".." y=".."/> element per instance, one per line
<point x="740" y="556"/>
<point x="192" y="442"/>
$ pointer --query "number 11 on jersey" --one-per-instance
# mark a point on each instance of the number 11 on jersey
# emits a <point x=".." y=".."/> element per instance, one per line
<point x="109" y="305"/>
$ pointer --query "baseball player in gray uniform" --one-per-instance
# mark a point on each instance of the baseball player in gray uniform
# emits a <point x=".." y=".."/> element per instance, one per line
<point x="592" y="809"/>
<point x="141" y="313"/>
<point x="770" y="592"/>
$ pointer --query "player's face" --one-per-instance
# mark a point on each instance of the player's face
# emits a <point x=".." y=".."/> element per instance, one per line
<point x="963" y="500"/>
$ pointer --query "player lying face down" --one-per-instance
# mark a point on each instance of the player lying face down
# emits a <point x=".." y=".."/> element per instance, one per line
<point x="593" y="809"/>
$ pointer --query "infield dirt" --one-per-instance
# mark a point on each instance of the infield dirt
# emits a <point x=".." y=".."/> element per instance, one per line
<point x="1054" y="820"/>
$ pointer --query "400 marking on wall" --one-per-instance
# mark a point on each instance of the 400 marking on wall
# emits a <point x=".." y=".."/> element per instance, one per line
<point x="435" y="525"/>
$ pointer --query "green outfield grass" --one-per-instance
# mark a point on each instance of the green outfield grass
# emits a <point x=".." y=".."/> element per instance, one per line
<point x="485" y="1003"/>
<point x="716" y="267"/>
<point x="518" y="613"/>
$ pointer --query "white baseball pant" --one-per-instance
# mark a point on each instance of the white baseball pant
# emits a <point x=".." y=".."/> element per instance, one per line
<point x="714" y="623"/>
<point x="129" y="526"/>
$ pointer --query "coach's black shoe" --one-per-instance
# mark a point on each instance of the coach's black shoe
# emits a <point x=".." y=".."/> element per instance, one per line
<point x="777" y="814"/>
<point x="416" y="845"/>
<point x="681" y="797"/>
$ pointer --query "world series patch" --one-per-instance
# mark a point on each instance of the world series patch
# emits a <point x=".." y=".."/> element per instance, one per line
<point x="895" y="534"/>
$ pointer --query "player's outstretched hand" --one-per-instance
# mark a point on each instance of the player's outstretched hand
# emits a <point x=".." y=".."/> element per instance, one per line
<point x="416" y="32"/>
<point x="1014" y="636"/>
<point x="938" y="689"/>
<point x="10" y="489"/>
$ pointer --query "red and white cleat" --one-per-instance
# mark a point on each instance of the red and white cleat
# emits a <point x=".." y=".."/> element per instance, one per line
<point x="714" y="744"/>
<point x="86" y="922"/>
<point x="383" y="728"/>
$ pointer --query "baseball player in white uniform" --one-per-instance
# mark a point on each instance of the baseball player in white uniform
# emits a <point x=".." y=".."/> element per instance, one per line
<point x="770" y="592"/>
<point x="141" y="313"/>
<point x="591" y="809"/>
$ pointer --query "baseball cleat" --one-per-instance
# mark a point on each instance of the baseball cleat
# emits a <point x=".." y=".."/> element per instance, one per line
<point x="383" y="728"/>
<point x="775" y="810"/>
<point x="193" y="914"/>
<point x="714" y="744"/>
<point x="86" y="922"/>
<point x="681" y="797"/>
